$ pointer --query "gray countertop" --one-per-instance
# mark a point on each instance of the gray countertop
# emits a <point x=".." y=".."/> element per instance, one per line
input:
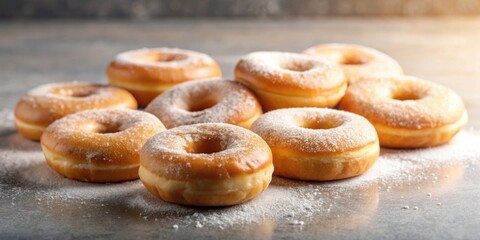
<point x="38" y="203"/>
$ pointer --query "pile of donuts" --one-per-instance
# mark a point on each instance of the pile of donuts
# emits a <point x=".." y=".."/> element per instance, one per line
<point x="206" y="141"/>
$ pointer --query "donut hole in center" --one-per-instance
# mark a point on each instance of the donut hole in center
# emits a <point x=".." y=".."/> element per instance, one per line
<point x="297" y="66"/>
<point x="161" y="57"/>
<point x="202" y="104"/>
<point x="102" y="128"/>
<point x="316" y="124"/>
<point x="406" y="96"/>
<point x="73" y="92"/>
<point x="355" y="58"/>
<point x="205" y="146"/>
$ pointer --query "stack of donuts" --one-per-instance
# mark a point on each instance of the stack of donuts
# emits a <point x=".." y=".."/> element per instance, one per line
<point x="206" y="141"/>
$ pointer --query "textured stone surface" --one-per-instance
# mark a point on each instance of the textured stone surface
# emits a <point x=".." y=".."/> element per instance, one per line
<point x="148" y="9"/>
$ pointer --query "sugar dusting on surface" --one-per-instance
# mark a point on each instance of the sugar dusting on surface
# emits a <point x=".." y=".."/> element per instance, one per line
<point x="293" y="202"/>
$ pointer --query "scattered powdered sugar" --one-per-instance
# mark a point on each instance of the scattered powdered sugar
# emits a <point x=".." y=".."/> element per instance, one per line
<point x="24" y="173"/>
<point x="219" y="101"/>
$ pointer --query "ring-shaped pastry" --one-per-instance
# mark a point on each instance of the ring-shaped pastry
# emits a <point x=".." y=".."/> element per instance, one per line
<point x="284" y="80"/>
<point x="318" y="144"/>
<point x="47" y="103"/>
<point x="148" y="72"/>
<point x="206" y="101"/>
<point x="99" y="145"/>
<point x="407" y="112"/>
<point x="206" y="164"/>
<point x="357" y="61"/>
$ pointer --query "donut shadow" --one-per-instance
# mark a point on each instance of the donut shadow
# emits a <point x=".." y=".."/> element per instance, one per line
<point x="290" y="182"/>
<point x="7" y="131"/>
<point x="15" y="141"/>
<point x="39" y="175"/>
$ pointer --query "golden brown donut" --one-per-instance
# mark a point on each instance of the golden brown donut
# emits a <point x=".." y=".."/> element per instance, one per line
<point x="407" y="112"/>
<point x="356" y="61"/>
<point x="205" y="101"/>
<point x="47" y="103"/>
<point x="283" y="80"/>
<point x="318" y="144"/>
<point x="99" y="145"/>
<point x="148" y="72"/>
<point x="206" y="164"/>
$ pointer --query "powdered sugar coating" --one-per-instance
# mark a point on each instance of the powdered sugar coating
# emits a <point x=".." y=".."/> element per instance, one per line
<point x="283" y="129"/>
<point x="233" y="103"/>
<point x="240" y="151"/>
<point x="432" y="105"/>
<point x="123" y="119"/>
<point x="182" y="58"/>
<point x="101" y="136"/>
<point x="356" y="61"/>
<point x="290" y="70"/>
<point x="77" y="91"/>
<point x="46" y="103"/>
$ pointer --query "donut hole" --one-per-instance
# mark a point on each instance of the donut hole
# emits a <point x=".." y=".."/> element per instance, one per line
<point x="297" y="66"/>
<point x="205" y="146"/>
<point x="355" y="59"/>
<point x="161" y="57"/>
<point x="202" y="104"/>
<point x="406" y="96"/>
<point x="78" y="92"/>
<point x="316" y="124"/>
<point x="102" y="128"/>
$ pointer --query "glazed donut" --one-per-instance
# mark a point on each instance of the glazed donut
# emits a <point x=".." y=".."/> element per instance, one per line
<point x="206" y="164"/>
<point x="99" y="145"/>
<point x="318" y="144"/>
<point x="47" y="103"/>
<point x="356" y="61"/>
<point x="283" y="80"/>
<point x="205" y="101"/>
<point x="407" y="112"/>
<point x="148" y="72"/>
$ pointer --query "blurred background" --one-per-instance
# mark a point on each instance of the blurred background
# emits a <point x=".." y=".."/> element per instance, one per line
<point x="152" y="9"/>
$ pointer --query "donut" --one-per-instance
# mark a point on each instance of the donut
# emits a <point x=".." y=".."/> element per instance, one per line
<point x="356" y="61"/>
<point x="47" y="103"/>
<point x="147" y="72"/>
<point x="205" y="101"/>
<point x="206" y="164"/>
<point x="318" y="144"/>
<point x="284" y="80"/>
<point x="407" y="112"/>
<point x="99" y="145"/>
